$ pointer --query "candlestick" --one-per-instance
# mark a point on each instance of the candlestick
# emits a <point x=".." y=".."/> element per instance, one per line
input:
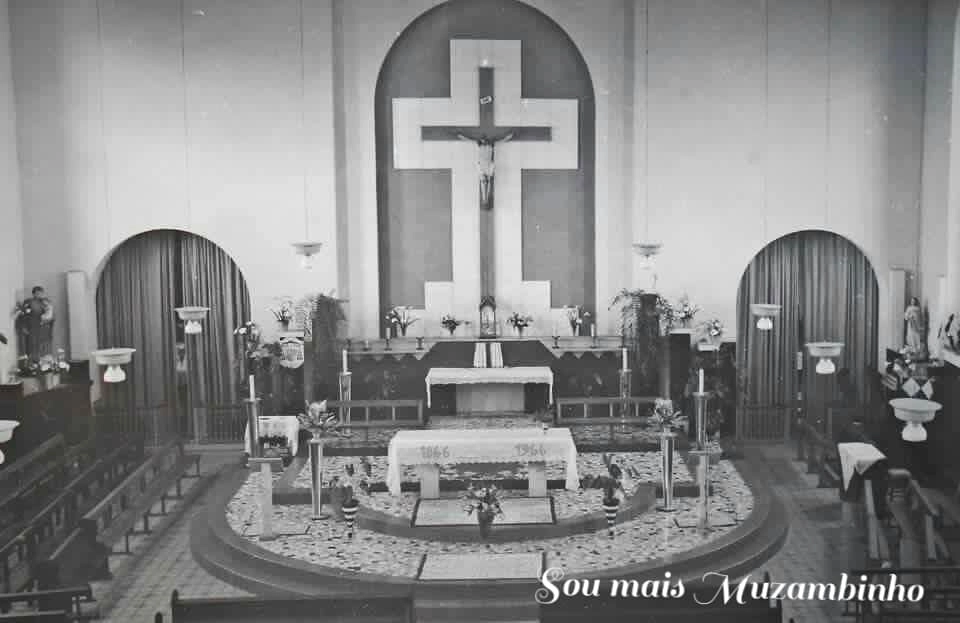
<point x="701" y="381"/>
<point x="253" y="390"/>
<point x="593" y="330"/>
<point x="345" y="368"/>
<point x="624" y="351"/>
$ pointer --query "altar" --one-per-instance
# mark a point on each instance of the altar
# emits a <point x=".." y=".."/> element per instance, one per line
<point x="489" y="389"/>
<point x="428" y="449"/>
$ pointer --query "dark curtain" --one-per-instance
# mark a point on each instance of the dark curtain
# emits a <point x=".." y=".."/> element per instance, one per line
<point x="145" y="279"/>
<point x="828" y="291"/>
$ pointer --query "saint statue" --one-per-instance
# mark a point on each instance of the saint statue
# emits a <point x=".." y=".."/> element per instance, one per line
<point x="35" y="325"/>
<point x="915" y="330"/>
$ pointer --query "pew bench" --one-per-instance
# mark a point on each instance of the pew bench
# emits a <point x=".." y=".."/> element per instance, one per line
<point x="76" y="602"/>
<point x="47" y="616"/>
<point x="84" y="555"/>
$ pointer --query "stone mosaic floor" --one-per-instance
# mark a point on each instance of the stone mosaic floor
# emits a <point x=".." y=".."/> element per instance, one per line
<point x="652" y="535"/>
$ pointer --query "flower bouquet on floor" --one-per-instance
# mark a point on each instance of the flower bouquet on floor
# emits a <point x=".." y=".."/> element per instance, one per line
<point x="485" y="502"/>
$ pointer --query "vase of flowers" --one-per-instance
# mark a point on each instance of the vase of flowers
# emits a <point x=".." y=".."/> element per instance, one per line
<point x="400" y="318"/>
<point x="519" y="322"/>
<point x="283" y="313"/>
<point x="576" y="316"/>
<point x="450" y="323"/>
<point x="712" y="331"/>
<point x="666" y="420"/>
<point x="666" y="314"/>
<point x="322" y="425"/>
<point x="684" y="312"/>
<point x="485" y="502"/>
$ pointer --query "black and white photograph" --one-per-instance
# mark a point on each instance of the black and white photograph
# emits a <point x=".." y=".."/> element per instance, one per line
<point x="479" y="311"/>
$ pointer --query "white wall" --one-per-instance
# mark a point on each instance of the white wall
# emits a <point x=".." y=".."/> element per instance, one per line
<point x="11" y="247"/>
<point x="746" y="123"/>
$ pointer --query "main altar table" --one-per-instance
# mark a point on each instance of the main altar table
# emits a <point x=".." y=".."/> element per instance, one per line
<point x="510" y="382"/>
<point x="428" y="449"/>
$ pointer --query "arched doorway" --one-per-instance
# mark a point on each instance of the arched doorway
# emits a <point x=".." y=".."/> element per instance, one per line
<point x="143" y="281"/>
<point x="828" y="292"/>
<point x="418" y="211"/>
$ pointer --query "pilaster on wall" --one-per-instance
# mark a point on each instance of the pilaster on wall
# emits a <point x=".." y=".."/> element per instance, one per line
<point x="11" y="226"/>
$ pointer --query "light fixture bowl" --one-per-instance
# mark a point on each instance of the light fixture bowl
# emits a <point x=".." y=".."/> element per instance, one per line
<point x="824" y="350"/>
<point x="765" y="310"/>
<point x="192" y="316"/>
<point x="307" y="248"/>
<point x="6" y="429"/>
<point x="647" y="249"/>
<point x="113" y="356"/>
<point x="914" y="412"/>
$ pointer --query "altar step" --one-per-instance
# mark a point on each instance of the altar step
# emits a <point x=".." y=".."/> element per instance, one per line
<point x="471" y="603"/>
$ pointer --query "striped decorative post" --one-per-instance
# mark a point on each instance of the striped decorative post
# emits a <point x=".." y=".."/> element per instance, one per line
<point x="350" y="509"/>
<point x="610" y="508"/>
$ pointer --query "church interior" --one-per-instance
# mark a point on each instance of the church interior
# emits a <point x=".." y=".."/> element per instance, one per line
<point x="479" y="310"/>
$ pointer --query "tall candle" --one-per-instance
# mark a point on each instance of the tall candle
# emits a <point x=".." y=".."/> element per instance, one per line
<point x="345" y="369"/>
<point x="593" y="330"/>
<point x="624" y="351"/>
<point x="701" y="380"/>
<point x="253" y="391"/>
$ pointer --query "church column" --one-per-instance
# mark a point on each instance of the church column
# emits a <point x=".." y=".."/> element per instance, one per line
<point x="11" y="227"/>
<point x="953" y="193"/>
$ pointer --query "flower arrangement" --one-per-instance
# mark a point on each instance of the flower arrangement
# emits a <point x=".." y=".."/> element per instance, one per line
<point x="713" y="329"/>
<point x="519" y="321"/>
<point x="611" y="482"/>
<point x="320" y="422"/>
<point x="354" y="477"/>
<point x="486" y="503"/>
<point x="450" y="323"/>
<point x="59" y="365"/>
<point x="400" y="317"/>
<point x="684" y="312"/>
<point x="22" y="308"/>
<point x="667" y="315"/>
<point x="27" y="368"/>
<point x="283" y="312"/>
<point x="665" y="418"/>
<point x="576" y="317"/>
<point x="273" y="441"/>
<point x="248" y="331"/>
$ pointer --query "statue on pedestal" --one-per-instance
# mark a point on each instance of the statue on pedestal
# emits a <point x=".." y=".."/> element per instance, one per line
<point x="915" y="339"/>
<point x="34" y="325"/>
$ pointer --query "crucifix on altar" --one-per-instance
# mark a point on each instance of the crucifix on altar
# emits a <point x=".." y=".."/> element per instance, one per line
<point x="486" y="129"/>
<point x="486" y="134"/>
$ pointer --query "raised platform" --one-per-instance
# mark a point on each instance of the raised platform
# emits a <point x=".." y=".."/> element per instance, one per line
<point x="245" y="563"/>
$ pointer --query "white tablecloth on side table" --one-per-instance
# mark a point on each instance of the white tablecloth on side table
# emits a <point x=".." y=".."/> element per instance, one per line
<point x="283" y="425"/>
<point x="500" y="445"/>
<point x="857" y="457"/>
<point x="473" y="376"/>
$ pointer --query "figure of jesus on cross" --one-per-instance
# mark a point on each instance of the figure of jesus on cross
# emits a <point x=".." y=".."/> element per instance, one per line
<point x="485" y="163"/>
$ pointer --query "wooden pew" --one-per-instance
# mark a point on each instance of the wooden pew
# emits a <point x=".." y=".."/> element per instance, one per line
<point x="53" y="616"/>
<point x="75" y="601"/>
<point x="916" y="518"/>
<point x="361" y="608"/>
<point x="820" y="454"/>
<point x="20" y="554"/>
<point x="939" y="602"/>
<point x="117" y="515"/>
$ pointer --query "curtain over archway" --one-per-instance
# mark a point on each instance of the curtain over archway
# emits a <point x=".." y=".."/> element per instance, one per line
<point x="828" y="292"/>
<point x="145" y="279"/>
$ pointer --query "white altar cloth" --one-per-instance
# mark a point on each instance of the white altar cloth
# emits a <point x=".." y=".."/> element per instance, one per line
<point x="857" y="456"/>
<point x="276" y="425"/>
<point x="474" y="376"/>
<point x="497" y="445"/>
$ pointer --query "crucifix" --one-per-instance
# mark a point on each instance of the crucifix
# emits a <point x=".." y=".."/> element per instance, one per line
<point x="486" y="134"/>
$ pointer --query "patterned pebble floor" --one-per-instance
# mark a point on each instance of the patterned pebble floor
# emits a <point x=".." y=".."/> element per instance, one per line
<point x="652" y="535"/>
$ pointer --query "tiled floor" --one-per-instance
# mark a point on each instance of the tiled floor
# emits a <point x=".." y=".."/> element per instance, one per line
<point x="819" y="547"/>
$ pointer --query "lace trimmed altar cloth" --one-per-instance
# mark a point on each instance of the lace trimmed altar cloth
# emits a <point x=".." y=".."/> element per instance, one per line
<point x="502" y="376"/>
<point x="499" y="445"/>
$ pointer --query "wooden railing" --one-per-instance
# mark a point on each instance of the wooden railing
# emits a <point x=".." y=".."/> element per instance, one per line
<point x="17" y="474"/>
<point x="916" y="518"/>
<point x="586" y="410"/>
<point x="61" y="515"/>
<point x="878" y="549"/>
<point x="349" y="410"/>
<point x="765" y="422"/>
